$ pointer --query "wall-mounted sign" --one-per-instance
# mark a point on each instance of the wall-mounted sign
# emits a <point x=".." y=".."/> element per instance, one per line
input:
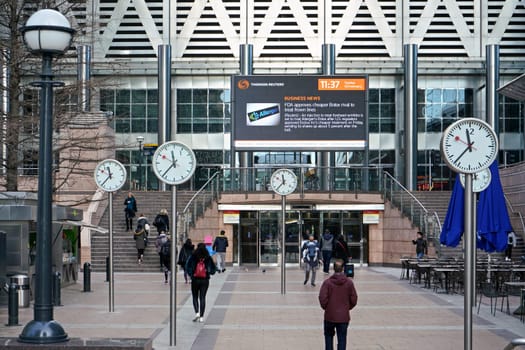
<point x="299" y="112"/>
<point x="371" y="217"/>
<point x="231" y="216"/>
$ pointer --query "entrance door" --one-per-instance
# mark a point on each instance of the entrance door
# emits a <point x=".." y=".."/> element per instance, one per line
<point x="248" y="236"/>
<point x="269" y="236"/>
<point x="355" y="235"/>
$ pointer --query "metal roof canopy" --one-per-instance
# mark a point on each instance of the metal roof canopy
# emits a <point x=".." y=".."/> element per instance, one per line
<point x="514" y="89"/>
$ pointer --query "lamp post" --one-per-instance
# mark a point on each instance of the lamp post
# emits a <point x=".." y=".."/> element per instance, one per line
<point x="140" y="140"/>
<point x="47" y="33"/>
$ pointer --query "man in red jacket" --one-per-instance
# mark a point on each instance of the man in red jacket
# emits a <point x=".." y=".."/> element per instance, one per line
<point x="337" y="297"/>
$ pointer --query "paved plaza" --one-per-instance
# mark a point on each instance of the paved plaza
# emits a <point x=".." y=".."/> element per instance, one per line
<point x="246" y="310"/>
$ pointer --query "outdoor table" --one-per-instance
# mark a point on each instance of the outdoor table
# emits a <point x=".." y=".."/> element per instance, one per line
<point x="446" y="271"/>
<point x="519" y="310"/>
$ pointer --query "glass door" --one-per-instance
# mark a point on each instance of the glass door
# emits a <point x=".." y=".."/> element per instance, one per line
<point x="248" y="238"/>
<point x="353" y="231"/>
<point x="293" y="236"/>
<point x="269" y="236"/>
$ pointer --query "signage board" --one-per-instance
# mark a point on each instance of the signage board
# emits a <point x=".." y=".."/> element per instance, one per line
<point x="299" y="112"/>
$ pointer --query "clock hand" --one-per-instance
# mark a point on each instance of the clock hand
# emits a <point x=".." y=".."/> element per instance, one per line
<point x="461" y="155"/>
<point x="468" y="140"/>
<point x="171" y="166"/>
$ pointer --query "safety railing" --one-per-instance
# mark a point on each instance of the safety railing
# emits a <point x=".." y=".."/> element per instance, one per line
<point x="310" y="178"/>
<point x="198" y="203"/>
<point x="411" y="207"/>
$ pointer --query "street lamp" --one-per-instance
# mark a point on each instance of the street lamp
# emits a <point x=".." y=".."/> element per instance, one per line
<point x="47" y="33"/>
<point x="140" y="140"/>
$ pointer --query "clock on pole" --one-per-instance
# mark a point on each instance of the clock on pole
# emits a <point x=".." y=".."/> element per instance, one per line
<point x="469" y="145"/>
<point x="110" y="175"/>
<point x="480" y="180"/>
<point x="283" y="181"/>
<point x="174" y="162"/>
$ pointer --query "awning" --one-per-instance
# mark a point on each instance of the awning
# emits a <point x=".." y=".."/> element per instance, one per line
<point x="514" y="89"/>
<point x="82" y="224"/>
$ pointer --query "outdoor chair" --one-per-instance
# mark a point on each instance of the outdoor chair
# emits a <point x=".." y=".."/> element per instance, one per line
<point x="489" y="290"/>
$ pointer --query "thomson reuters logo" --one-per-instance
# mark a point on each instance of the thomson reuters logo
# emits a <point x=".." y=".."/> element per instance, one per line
<point x="243" y="84"/>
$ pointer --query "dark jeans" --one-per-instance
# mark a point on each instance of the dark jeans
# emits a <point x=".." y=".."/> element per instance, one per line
<point x="327" y="256"/>
<point x="199" y="288"/>
<point x="330" y="329"/>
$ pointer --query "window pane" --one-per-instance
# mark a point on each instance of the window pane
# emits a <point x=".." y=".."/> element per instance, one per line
<point x="138" y="96"/>
<point x="216" y="110"/>
<point x="388" y="95"/>
<point x="200" y="96"/>
<point x="215" y="96"/>
<point x="183" y="96"/>
<point x="153" y="96"/>
<point x="122" y="111"/>
<point x="139" y="125"/>
<point x="153" y="125"/>
<point x="123" y="96"/>
<point x="200" y="111"/>
<point x="373" y="95"/>
<point x="122" y="125"/>
<point x="138" y="111"/>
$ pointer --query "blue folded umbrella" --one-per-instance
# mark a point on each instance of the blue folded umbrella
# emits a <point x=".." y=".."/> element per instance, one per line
<point x="452" y="228"/>
<point x="493" y="223"/>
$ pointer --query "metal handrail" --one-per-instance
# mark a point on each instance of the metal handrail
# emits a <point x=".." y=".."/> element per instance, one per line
<point x="515" y="212"/>
<point x="198" y="203"/>
<point x="418" y="214"/>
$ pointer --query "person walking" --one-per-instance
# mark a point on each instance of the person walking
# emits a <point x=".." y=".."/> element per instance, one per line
<point x="140" y="243"/>
<point x="219" y="246"/>
<point x="311" y="259"/>
<point x="159" y="241"/>
<point x="142" y="222"/>
<point x="421" y="245"/>
<point x="340" y="249"/>
<point x="337" y="297"/>
<point x="327" y="245"/>
<point x="185" y="252"/>
<point x="200" y="267"/>
<point x="130" y="208"/>
<point x="165" y="255"/>
<point x="162" y="221"/>
<point x="511" y="243"/>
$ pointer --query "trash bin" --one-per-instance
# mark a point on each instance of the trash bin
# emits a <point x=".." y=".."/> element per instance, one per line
<point x="22" y="288"/>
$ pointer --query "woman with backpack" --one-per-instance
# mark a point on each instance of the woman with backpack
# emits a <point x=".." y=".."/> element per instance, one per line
<point x="200" y="267"/>
<point x="185" y="252"/>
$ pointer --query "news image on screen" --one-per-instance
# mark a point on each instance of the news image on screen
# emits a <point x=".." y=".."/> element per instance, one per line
<point x="263" y="114"/>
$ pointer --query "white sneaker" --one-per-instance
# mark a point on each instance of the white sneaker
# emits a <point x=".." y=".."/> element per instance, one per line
<point x="197" y="316"/>
<point x="201" y="319"/>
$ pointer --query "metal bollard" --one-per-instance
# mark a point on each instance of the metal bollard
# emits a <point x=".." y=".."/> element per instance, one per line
<point x="57" y="289"/>
<point x="13" y="305"/>
<point x="87" y="277"/>
<point x="107" y="268"/>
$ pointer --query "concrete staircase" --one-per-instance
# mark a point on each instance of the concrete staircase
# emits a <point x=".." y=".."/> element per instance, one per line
<point x="124" y="251"/>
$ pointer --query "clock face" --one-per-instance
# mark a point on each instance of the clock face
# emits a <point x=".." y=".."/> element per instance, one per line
<point x="283" y="181"/>
<point x="480" y="180"/>
<point x="110" y="175"/>
<point x="174" y="163"/>
<point x="469" y="145"/>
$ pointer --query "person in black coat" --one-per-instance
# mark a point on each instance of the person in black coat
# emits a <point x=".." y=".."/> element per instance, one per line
<point x="130" y="208"/>
<point x="162" y="222"/>
<point x="340" y="250"/>
<point x="199" y="285"/>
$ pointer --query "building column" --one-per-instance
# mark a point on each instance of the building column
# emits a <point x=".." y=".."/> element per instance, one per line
<point x="246" y="158"/>
<point x="492" y="84"/>
<point x="84" y="77"/>
<point x="410" y="132"/>
<point x="326" y="160"/>
<point x="165" y="129"/>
